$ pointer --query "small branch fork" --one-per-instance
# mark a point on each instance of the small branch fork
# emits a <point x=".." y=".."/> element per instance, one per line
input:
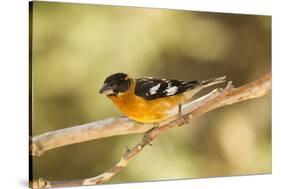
<point x="213" y="100"/>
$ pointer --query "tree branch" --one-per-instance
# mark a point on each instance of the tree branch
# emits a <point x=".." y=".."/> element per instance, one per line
<point x="215" y="99"/>
<point x="89" y="131"/>
<point x="100" y="129"/>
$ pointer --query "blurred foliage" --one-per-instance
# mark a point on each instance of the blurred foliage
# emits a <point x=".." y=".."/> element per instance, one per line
<point x="75" y="46"/>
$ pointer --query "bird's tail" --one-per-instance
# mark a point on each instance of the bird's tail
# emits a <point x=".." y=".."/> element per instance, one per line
<point x="201" y="85"/>
<point x="213" y="81"/>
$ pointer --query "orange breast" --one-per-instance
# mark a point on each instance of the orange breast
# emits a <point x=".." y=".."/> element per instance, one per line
<point x="147" y="111"/>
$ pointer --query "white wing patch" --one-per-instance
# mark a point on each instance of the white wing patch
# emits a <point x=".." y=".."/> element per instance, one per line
<point x="153" y="90"/>
<point x="171" y="91"/>
<point x="169" y="84"/>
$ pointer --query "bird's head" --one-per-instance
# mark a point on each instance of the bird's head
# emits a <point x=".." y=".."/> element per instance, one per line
<point x="115" y="84"/>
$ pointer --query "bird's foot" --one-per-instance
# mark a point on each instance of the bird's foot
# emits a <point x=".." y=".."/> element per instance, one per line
<point x="186" y="120"/>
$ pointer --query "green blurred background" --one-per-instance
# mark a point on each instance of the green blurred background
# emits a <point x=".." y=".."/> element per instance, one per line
<point x="75" y="46"/>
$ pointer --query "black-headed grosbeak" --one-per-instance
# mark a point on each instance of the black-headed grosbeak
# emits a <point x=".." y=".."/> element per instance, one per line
<point x="150" y="100"/>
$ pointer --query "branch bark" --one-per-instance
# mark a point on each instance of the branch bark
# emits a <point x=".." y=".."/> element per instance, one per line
<point x="215" y="99"/>
<point x="89" y="131"/>
<point x="100" y="129"/>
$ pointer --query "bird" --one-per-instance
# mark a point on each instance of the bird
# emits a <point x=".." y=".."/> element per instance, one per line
<point x="150" y="99"/>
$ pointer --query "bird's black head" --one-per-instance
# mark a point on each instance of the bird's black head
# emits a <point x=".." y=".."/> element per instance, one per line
<point x="115" y="84"/>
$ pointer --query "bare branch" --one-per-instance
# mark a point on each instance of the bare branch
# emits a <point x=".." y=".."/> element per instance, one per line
<point x="81" y="133"/>
<point x="100" y="129"/>
<point x="215" y="99"/>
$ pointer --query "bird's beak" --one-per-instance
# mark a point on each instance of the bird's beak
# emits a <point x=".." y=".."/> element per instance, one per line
<point x="105" y="89"/>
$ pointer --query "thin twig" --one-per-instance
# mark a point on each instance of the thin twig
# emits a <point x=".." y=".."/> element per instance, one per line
<point x="215" y="100"/>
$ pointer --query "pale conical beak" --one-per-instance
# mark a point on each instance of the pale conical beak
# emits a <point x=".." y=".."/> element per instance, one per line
<point x="105" y="89"/>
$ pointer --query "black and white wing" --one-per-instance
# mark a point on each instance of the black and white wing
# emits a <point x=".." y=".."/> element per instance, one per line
<point x="152" y="88"/>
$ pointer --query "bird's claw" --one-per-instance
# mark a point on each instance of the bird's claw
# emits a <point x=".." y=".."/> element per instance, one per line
<point x="186" y="120"/>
